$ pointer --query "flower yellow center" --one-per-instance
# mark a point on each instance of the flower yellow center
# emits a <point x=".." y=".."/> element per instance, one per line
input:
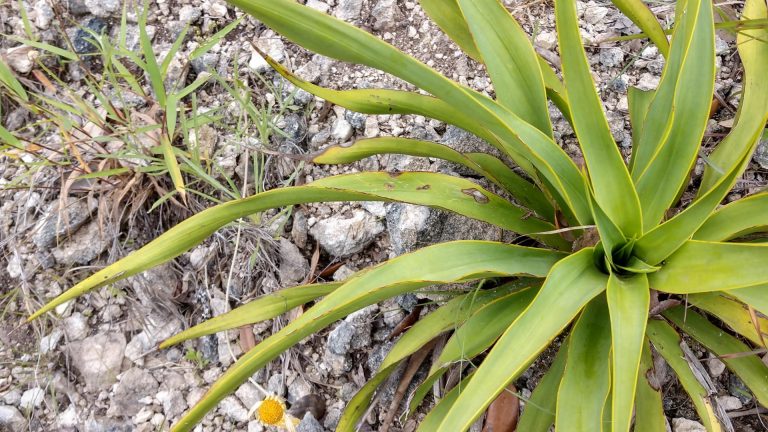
<point x="271" y="411"/>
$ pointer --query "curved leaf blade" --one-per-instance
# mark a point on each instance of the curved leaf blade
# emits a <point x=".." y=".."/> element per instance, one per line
<point x="442" y="263"/>
<point x="263" y="308"/>
<point x="667" y="343"/>
<point x="539" y="413"/>
<point x="732" y="313"/>
<point x="752" y="371"/>
<point x="571" y="284"/>
<point x="510" y="59"/>
<point x="699" y="267"/>
<point x="649" y="414"/>
<point x="639" y="13"/>
<point x="448" y="16"/>
<point x="756" y="296"/>
<point x="610" y="179"/>
<point x="586" y="381"/>
<point x="628" y="302"/>
<point x="738" y="218"/>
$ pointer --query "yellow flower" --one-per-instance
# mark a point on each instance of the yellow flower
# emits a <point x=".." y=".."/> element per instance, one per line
<point x="272" y="412"/>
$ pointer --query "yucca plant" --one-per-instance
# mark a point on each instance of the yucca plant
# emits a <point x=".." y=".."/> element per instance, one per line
<point x="614" y="288"/>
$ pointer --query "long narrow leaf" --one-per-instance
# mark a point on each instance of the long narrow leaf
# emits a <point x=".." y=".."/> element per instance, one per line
<point x="448" y="16"/>
<point x="639" y="13"/>
<point x="638" y="101"/>
<point x="628" y="301"/>
<point x="511" y="61"/>
<point x="753" y="109"/>
<point x="586" y="381"/>
<point x="750" y="368"/>
<point x="733" y="313"/>
<point x="738" y="218"/>
<point x="443" y="263"/>
<point x="709" y="266"/>
<point x="570" y="285"/>
<point x="649" y="414"/>
<point x="609" y="176"/>
<point x="539" y="414"/>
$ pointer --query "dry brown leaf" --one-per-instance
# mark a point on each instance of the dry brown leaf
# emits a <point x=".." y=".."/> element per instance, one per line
<point x="503" y="412"/>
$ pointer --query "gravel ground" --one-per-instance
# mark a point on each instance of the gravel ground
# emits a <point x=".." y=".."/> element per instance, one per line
<point x="93" y="366"/>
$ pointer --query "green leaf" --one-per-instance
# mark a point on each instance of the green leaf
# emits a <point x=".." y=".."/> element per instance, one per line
<point x="151" y="67"/>
<point x="7" y="137"/>
<point x="443" y="407"/>
<point x="445" y="318"/>
<point x="677" y="117"/>
<point x="525" y="144"/>
<point x="731" y="312"/>
<point x="450" y="193"/>
<point x="628" y="302"/>
<point x="639" y="13"/>
<point x="9" y="79"/>
<point x="569" y="286"/>
<point x="65" y="54"/>
<point x="587" y="380"/>
<point x="709" y="266"/>
<point x="649" y="410"/>
<point x="753" y="108"/>
<point x="539" y="414"/>
<point x="750" y="368"/>
<point x="482" y="163"/>
<point x="756" y="296"/>
<point x="263" y="308"/>
<point x="512" y="63"/>
<point x="638" y="101"/>
<point x="443" y="263"/>
<point x="195" y="229"/>
<point x="609" y="176"/>
<point x="474" y="336"/>
<point x="448" y="16"/>
<point x="662" y="241"/>
<point x="667" y="343"/>
<point x="741" y="217"/>
<point x="214" y="39"/>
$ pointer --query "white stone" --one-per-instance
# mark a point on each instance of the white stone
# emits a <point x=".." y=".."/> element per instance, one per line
<point x="98" y="359"/>
<point x="217" y="10"/>
<point x="32" y="398"/>
<point x="68" y="418"/>
<point x="21" y="58"/>
<point x="11" y="417"/>
<point x="341" y="236"/>
<point x="50" y="341"/>
<point x="546" y="40"/>
<point x="318" y="5"/>
<point x="648" y="82"/>
<point x="349" y="10"/>
<point x="231" y="407"/>
<point x="730" y="403"/>
<point x="685" y="425"/>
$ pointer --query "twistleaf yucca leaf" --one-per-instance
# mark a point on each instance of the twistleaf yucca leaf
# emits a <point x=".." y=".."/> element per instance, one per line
<point x="263" y="308"/>
<point x="753" y="109"/>
<point x="738" y="218"/>
<point x="710" y="266"/>
<point x="609" y="176"/>
<point x="735" y="354"/>
<point x="733" y="313"/>
<point x="511" y="61"/>
<point x="415" y="188"/>
<point x="756" y="296"/>
<point x="628" y="301"/>
<point x="436" y="415"/>
<point x="682" y="115"/>
<point x="639" y="13"/>
<point x="539" y="414"/>
<point x="474" y="336"/>
<point x="649" y="410"/>
<point x="442" y="263"/>
<point x="586" y="381"/>
<point x="638" y="101"/>
<point x="667" y="343"/>
<point x="571" y="284"/>
<point x="484" y="164"/>
<point x="445" y="318"/>
<point x="449" y="17"/>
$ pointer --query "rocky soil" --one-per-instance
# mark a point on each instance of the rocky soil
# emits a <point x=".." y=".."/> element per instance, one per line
<point x="93" y="365"/>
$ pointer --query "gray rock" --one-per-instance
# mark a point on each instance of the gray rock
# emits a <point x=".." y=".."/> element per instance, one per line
<point x="16" y="118"/>
<point x="205" y="63"/>
<point x="340" y="338"/>
<point x="274" y="48"/>
<point x="356" y="119"/>
<point x="231" y="407"/>
<point x="32" y="398"/>
<point x="386" y="15"/>
<point x="248" y="394"/>
<point x="55" y="224"/>
<point x="595" y="14"/>
<point x="189" y="14"/>
<point x="463" y="142"/>
<point x="318" y="5"/>
<point x="44" y="14"/>
<point x="84" y="246"/>
<point x="314" y="69"/>
<point x="648" y="82"/>
<point x="255" y="425"/>
<point x="611" y="57"/>
<point x="336" y="364"/>
<point x="729" y="403"/>
<point x="342" y="130"/>
<point x="309" y="424"/>
<point x="547" y="40"/>
<point x="49" y="342"/>
<point x="11" y="419"/>
<point x="293" y="266"/>
<point x="716" y="366"/>
<point x="276" y="385"/>
<point x="352" y="333"/>
<point x="134" y="385"/>
<point x="77" y="7"/>
<point x="68" y="418"/>
<point x="104" y="8"/>
<point x="343" y="273"/>
<point x="349" y="10"/>
<point x="684" y="425"/>
<point x="341" y="236"/>
<point x="173" y="403"/>
<point x="298" y="388"/>
<point x="12" y="396"/>
<point x="75" y="326"/>
<point x="100" y="424"/>
<point x="405" y="224"/>
<point x="299" y="228"/>
<point x="216" y="9"/>
<point x="157" y="327"/>
<point x="98" y="359"/>
<point x="294" y="127"/>
<point x="21" y="58"/>
<point x="761" y="153"/>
